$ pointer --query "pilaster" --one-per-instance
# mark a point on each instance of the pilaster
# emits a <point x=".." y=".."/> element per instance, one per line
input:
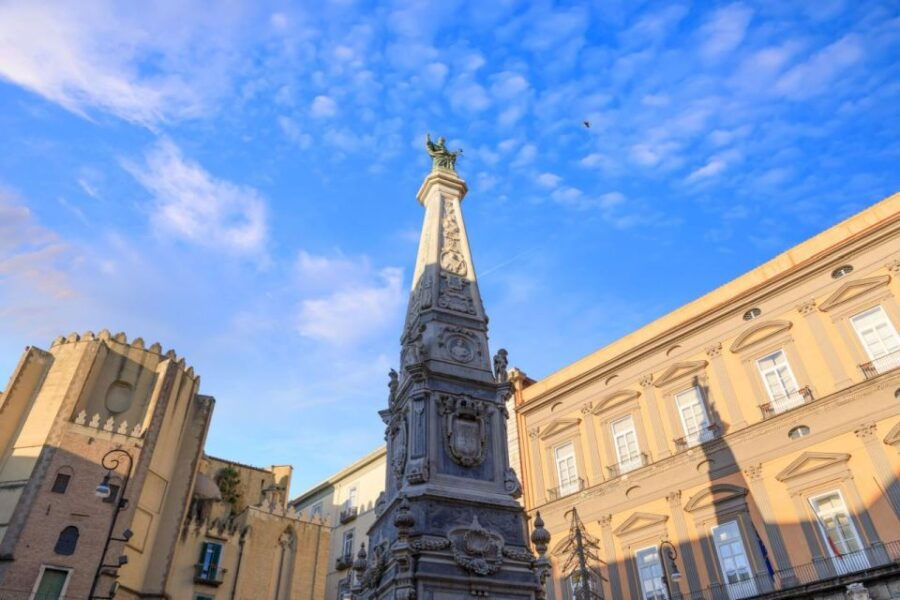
<point x="824" y="347"/>
<point x="659" y="436"/>
<point x="714" y="352"/>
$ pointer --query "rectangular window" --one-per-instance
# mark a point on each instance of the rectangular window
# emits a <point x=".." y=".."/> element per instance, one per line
<point x="625" y="439"/>
<point x="347" y="548"/>
<point x="566" y="469"/>
<point x="53" y="582"/>
<point x="879" y="338"/>
<point x="650" y="572"/>
<point x="694" y="419"/>
<point x="60" y="483"/>
<point x="316" y="510"/>
<point x="841" y="538"/>
<point x="779" y="381"/>
<point x="351" y="497"/>
<point x="733" y="560"/>
<point x="210" y="559"/>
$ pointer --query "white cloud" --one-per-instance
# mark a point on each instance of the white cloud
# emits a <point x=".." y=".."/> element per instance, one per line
<point x="813" y="76"/>
<point x="725" y="30"/>
<point x="525" y="156"/>
<point x="147" y="66"/>
<point x="710" y="169"/>
<point x="508" y="85"/>
<point x="354" y="301"/>
<point x="293" y="132"/>
<point x="323" y="107"/>
<point x="548" y="180"/>
<point x="29" y="254"/>
<point x="435" y="74"/>
<point x="469" y="96"/>
<point x="195" y="206"/>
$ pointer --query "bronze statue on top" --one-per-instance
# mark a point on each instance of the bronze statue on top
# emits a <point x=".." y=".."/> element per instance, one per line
<point x="441" y="158"/>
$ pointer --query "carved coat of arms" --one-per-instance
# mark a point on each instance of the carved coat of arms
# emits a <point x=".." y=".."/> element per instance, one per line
<point x="465" y="429"/>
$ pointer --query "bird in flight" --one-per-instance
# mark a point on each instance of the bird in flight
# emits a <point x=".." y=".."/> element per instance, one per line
<point x="587" y="124"/>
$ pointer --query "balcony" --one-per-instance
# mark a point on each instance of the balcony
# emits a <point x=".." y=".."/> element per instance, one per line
<point x="208" y="574"/>
<point x="348" y="513"/>
<point x="706" y="434"/>
<point x="792" y="400"/>
<point x="810" y="579"/>
<point x="343" y="562"/>
<point x="880" y="365"/>
<point x="565" y="490"/>
<point x="625" y="466"/>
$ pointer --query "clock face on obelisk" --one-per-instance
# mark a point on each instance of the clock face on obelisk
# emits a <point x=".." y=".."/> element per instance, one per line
<point x="450" y="495"/>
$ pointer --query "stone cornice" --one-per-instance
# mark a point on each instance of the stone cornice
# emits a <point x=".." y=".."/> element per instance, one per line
<point x="759" y="333"/>
<point x="790" y="277"/>
<point x="852" y="290"/>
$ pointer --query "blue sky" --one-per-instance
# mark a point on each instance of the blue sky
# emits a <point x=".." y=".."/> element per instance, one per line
<point x="239" y="183"/>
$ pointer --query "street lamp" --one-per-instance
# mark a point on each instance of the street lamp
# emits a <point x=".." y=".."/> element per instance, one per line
<point x="110" y="462"/>
<point x="667" y="555"/>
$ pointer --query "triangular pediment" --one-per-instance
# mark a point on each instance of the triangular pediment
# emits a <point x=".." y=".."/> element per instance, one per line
<point x="811" y="461"/>
<point x="713" y="495"/>
<point x="854" y="289"/>
<point x="557" y="426"/>
<point x="615" y="399"/>
<point x="758" y="333"/>
<point x="893" y="436"/>
<point x="679" y="370"/>
<point x="638" y="521"/>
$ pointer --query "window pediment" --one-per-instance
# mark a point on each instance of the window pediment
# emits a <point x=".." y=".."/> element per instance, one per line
<point x="717" y="494"/>
<point x="679" y="370"/>
<point x="639" y="521"/>
<point x="893" y="436"/>
<point x="615" y="399"/>
<point x="852" y="290"/>
<point x="558" y="426"/>
<point x="758" y="333"/>
<point x="809" y="462"/>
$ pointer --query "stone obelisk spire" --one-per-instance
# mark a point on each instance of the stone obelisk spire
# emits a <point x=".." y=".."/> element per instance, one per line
<point x="448" y="525"/>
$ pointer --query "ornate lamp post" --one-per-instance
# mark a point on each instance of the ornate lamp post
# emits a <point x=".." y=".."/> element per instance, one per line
<point x="110" y="462"/>
<point x="667" y="555"/>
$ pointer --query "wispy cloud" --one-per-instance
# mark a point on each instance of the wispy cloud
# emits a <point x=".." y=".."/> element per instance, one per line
<point x="195" y="206"/>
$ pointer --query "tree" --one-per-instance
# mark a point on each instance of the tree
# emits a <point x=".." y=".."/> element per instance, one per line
<point x="229" y="482"/>
<point x="582" y="563"/>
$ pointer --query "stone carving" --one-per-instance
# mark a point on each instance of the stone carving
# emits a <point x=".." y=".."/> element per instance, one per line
<point x="646" y="380"/>
<point x="417" y="471"/>
<point x="534" y="432"/>
<point x="136" y="432"/>
<point x="674" y="497"/>
<point x="396" y="435"/>
<point x="380" y="504"/>
<point x="511" y="483"/>
<point x="455" y="294"/>
<point x="501" y="362"/>
<point x="426" y="296"/>
<point x="441" y="157"/>
<point x="452" y="259"/>
<point x="377" y="564"/>
<point x="857" y="591"/>
<point x="714" y="350"/>
<point x="477" y="549"/>
<point x="465" y="429"/>
<point x="123" y="428"/>
<point x="807" y="308"/>
<point x="81" y="419"/>
<point x="894" y="266"/>
<point x="753" y="472"/>
<point x="110" y="423"/>
<point x="95" y="421"/>
<point x="587" y="408"/>
<point x="413" y="352"/>
<point x="459" y="345"/>
<point x="393" y="382"/>
<point x="429" y="543"/>
<point x="517" y="554"/>
<point x="866" y="432"/>
<point x="605" y="521"/>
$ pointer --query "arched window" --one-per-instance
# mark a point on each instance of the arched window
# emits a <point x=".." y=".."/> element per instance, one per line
<point x="68" y="539"/>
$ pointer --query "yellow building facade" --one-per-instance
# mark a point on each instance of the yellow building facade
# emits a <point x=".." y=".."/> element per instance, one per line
<point x="746" y="444"/>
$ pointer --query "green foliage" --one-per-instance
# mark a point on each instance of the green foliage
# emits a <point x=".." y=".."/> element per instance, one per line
<point x="229" y="482"/>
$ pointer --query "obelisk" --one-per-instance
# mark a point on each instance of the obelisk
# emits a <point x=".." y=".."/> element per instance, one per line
<point x="448" y="525"/>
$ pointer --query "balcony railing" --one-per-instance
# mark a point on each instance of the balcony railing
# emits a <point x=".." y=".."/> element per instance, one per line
<point x="707" y="434"/>
<point x="792" y="400"/>
<point x="564" y="490"/>
<point x="880" y="365"/>
<point x="348" y="513"/>
<point x="818" y="573"/>
<point x="208" y="574"/>
<point x="343" y="562"/>
<point x="625" y="466"/>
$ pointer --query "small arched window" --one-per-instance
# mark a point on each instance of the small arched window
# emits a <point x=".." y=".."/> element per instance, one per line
<point x="752" y="314"/>
<point x="68" y="539"/>
<point x="798" y="432"/>
<point x="841" y="271"/>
